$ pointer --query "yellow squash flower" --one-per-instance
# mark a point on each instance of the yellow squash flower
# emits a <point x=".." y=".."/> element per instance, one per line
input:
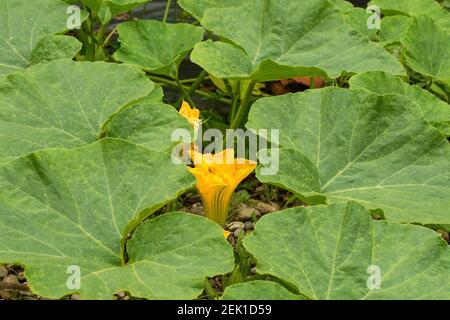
<point x="218" y="175"/>
<point x="191" y="114"/>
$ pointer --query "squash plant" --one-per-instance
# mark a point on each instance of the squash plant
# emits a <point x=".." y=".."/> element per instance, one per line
<point x="89" y="188"/>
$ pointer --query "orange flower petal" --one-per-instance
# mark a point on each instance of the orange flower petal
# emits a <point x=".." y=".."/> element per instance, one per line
<point x="191" y="114"/>
<point x="218" y="175"/>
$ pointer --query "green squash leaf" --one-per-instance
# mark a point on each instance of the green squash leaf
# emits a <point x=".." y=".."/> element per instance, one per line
<point x="222" y="59"/>
<point x="156" y="95"/>
<point x="352" y="145"/>
<point x="334" y="252"/>
<point x="393" y="29"/>
<point x="115" y="6"/>
<point x="23" y="24"/>
<point x="61" y="208"/>
<point x="156" y="46"/>
<point x="197" y="8"/>
<point x="344" y="6"/>
<point x="429" y="8"/>
<point x="357" y="19"/>
<point x="149" y="124"/>
<point x="258" y="290"/>
<point x="428" y="48"/>
<point x="54" y="47"/>
<point x="268" y="42"/>
<point x="63" y="104"/>
<point x="104" y="14"/>
<point x="434" y="110"/>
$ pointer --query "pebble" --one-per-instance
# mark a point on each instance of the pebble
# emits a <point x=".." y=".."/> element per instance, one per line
<point x="260" y="189"/>
<point x="253" y="270"/>
<point x="245" y="212"/>
<point x="248" y="225"/>
<point x="21" y="276"/>
<point x="265" y="207"/>
<point x="235" y="225"/>
<point x="197" y="208"/>
<point x="3" y="272"/>
<point x="238" y="232"/>
<point x="75" y="296"/>
<point x="11" y="279"/>
<point x="26" y="293"/>
<point x="193" y="198"/>
<point x="444" y="235"/>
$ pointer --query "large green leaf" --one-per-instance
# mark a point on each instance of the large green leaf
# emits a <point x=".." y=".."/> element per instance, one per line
<point x="415" y="7"/>
<point x="335" y="252"/>
<point x="197" y="8"/>
<point x="357" y="19"/>
<point x="23" y="24"/>
<point x="115" y="6"/>
<point x="393" y="28"/>
<point x="156" y="95"/>
<point x="428" y="48"/>
<point x="156" y="46"/>
<point x="434" y="110"/>
<point x="61" y="208"/>
<point x="149" y="124"/>
<point x="54" y="47"/>
<point x="119" y="6"/>
<point x="268" y="42"/>
<point x="63" y="104"/>
<point x="258" y="290"/>
<point x="352" y="145"/>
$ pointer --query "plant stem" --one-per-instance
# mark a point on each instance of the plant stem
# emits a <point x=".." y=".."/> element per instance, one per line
<point x="91" y="28"/>
<point x="228" y="86"/>
<point x="105" y="43"/>
<point x="444" y="89"/>
<point x="101" y="35"/>
<point x="243" y="107"/>
<point x="176" y="11"/>
<point x="209" y="290"/>
<point x="194" y="86"/>
<point x="192" y="80"/>
<point x="144" y="10"/>
<point x="81" y="35"/>
<point x="166" y="12"/>
<point x="201" y="77"/>
<point x="233" y="97"/>
<point x="429" y="83"/>
<point x="185" y="93"/>
<point x="234" y="104"/>
<point x="173" y="84"/>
